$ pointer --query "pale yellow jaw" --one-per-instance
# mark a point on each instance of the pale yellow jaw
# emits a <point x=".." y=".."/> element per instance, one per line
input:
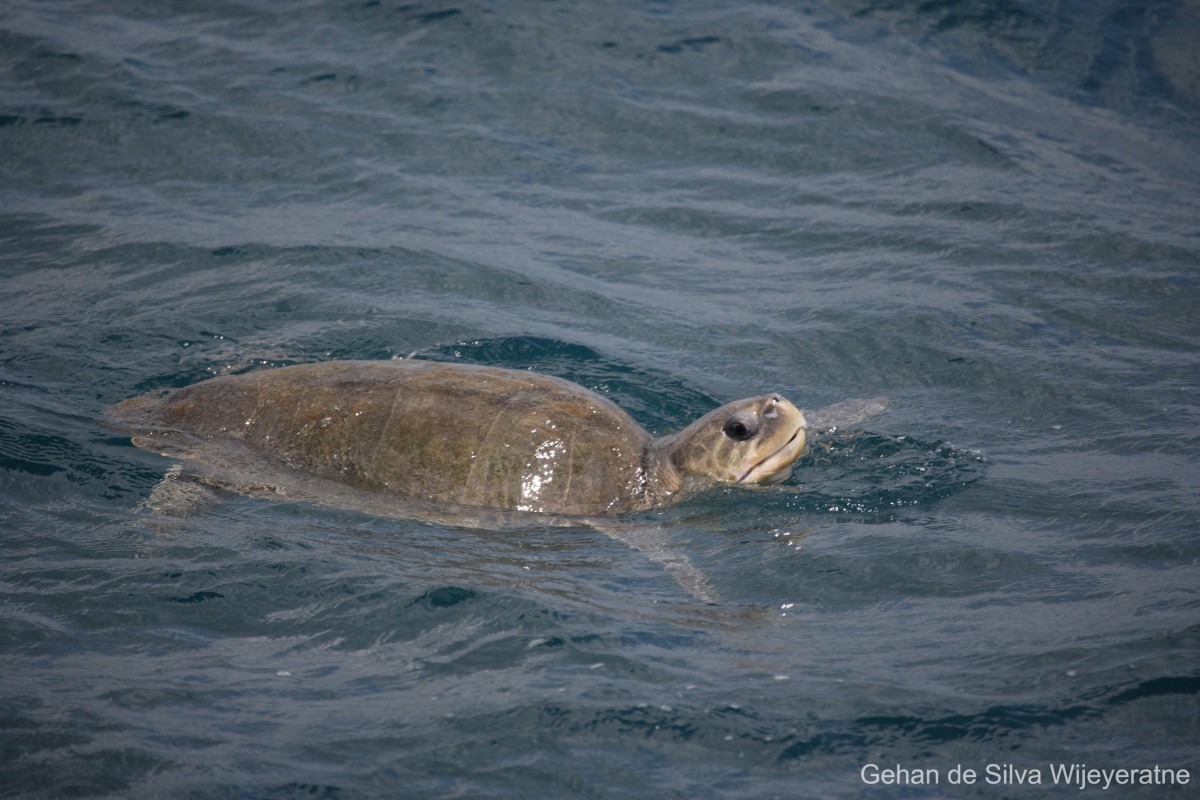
<point x="777" y="466"/>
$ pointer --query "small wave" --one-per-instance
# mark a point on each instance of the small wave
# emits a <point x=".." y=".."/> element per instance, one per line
<point x="870" y="474"/>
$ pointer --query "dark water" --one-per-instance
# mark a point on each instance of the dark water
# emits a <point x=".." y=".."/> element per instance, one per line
<point x="988" y="212"/>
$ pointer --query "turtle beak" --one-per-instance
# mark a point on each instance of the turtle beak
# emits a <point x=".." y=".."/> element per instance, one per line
<point x="777" y="465"/>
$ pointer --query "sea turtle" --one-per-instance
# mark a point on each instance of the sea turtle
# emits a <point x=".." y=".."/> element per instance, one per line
<point x="461" y="443"/>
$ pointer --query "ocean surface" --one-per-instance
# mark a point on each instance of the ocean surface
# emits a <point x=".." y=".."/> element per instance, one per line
<point x="986" y="211"/>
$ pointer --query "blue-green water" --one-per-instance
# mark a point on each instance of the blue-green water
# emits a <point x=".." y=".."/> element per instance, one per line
<point x="986" y="211"/>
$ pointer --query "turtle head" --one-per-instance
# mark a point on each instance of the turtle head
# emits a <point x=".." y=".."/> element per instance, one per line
<point x="751" y="441"/>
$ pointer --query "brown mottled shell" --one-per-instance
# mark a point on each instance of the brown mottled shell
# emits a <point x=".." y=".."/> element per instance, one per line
<point x="419" y="431"/>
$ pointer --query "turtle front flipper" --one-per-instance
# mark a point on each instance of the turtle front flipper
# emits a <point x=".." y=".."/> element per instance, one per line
<point x="179" y="494"/>
<point x="651" y="541"/>
<point x="844" y="414"/>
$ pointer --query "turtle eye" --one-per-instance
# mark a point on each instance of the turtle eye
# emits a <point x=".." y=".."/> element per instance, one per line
<point x="740" y="427"/>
